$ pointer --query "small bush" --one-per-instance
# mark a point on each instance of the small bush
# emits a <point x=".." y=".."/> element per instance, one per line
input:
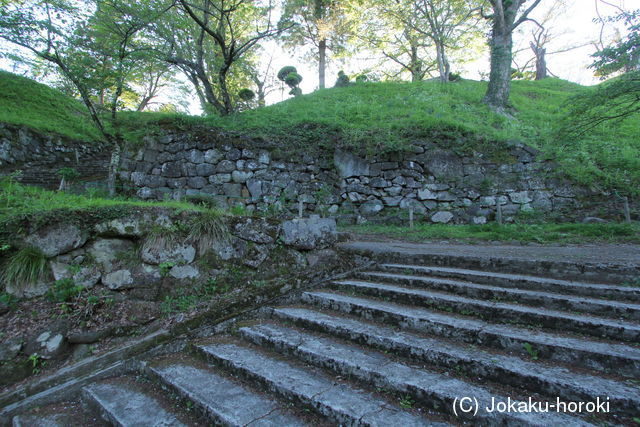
<point x="64" y="290"/>
<point x="8" y="300"/>
<point x="202" y="200"/>
<point x="27" y="266"/>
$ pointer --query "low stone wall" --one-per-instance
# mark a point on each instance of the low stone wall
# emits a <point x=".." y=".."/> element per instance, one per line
<point x="138" y="269"/>
<point x="437" y="183"/>
<point x="19" y="144"/>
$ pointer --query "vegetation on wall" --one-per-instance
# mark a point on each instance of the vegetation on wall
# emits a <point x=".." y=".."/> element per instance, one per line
<point x="379" y="117"/>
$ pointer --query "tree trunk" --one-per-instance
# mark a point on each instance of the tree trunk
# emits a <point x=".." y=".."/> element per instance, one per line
<point x="114" y="163"/>
<point x="541" y="62"/>
<point x="497" y="96"/>
<point x="322" y="62"/>
<point x="224" y="92"/>
<point x="261" y="95"/>
<point x="416" y="65"/>
<point x="443" y="64"/>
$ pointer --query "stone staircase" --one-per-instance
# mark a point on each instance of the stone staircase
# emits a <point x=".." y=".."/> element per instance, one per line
<point x="395" y="345"/>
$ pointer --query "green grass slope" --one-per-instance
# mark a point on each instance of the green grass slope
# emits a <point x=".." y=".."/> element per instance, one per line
<point x="376" y="117"/>
<point x="28" y="103"/>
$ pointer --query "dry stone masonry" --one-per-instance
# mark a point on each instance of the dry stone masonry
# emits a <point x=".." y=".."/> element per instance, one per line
<point x="437" y="183"/>
<point x="40" y="156"/>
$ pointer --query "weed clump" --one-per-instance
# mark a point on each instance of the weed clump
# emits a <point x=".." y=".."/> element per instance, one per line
<point x="27" y="266"/>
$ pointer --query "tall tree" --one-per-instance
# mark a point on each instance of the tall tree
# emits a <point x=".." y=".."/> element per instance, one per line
<point x="388" y="29"/>
<point x="420" y="35"/>
<point x="448" y="23"/>
<point x="323" y="24"/>
<point x="231" y="29"/>
<point x="94" y="45"/>
<point x="622" y="55"/>
<point x="543" y="34"/>
<point x="506" y="17"/>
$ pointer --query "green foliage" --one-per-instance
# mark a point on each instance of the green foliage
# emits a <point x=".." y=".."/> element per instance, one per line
<point x="285" y="71"/>
<point x="342" y="80"/>
<point x="536" y="233"/>
<point x="289" y="75"/>
<point x="186" y="299"/>
<point x="624" y="53"/>
<point x="165" y="267"/>
<point x="531" y="351"/>
<point x="64" y="290"/>
<point x="68" y="174"/>
<point x="407" y="402"/>
<point x="203" y="200"/>
<point x="26" y="266"/>
<point x="8" y="300"/>
<point x="246" y="94"/>
<point x="37" y="363"/>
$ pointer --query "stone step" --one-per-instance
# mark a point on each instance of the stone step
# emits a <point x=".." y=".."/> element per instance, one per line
<point x="623" y="293"/>
<point x="54" y="420"/>
<point x="124" y="404"/>
<point x="473" y="362"/>
<point x="553" y="301"/>
<point x="431" y="389"/>
<point x="551" y="261"/>
<point x="496" y="311"/>
<point x="602" y="356"/>
<point x="223" y="401"/>
<point x="340" y="403"/>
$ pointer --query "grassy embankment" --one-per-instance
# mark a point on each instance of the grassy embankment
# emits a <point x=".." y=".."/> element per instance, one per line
<point x="374" y="117"/>
<point x="522" y="233"/>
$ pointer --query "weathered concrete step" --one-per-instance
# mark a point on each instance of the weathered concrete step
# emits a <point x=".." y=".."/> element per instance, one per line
<point x="603" y="356"/>
<point x="623" y="293"/>
<point x="53" y="420"/>
<point x="510" y="370"/>
<point x="124" y="404"/>
<point x="339" y="402"/>
<point x="497" y="311"/>
<point x="222" y="400"/>
<point x="432" y="389"/>
<point x="550" y="261"/>
<point x="547" y="300"/>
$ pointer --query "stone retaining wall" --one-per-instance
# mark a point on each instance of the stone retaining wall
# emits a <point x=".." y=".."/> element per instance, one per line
<point x="19" y="144"/>
<point x="437" y="183"/>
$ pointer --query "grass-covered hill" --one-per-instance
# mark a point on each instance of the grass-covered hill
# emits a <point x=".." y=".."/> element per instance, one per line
<point x="26" y="102"/>
<point x="378" y="117"/>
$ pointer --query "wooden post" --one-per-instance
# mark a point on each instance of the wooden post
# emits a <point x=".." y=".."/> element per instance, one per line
<point x="498" y="211"/>
<point x="300" y="208"/>
<point x="411" y="217"/>
<point x="627" y="212"/>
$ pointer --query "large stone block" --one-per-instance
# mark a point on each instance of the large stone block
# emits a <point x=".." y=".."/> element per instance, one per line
<point x="176" y="252"/>
<point x="443" y="164"/>
<point x="106" y="252"/>
<point x="310" y="233"/>
<point x="349" y="165"/>
<point x="57" y="239"/>
<point x="212" y="156"/>
<point x="226" y="166"/>
<point x="442" y="217"/>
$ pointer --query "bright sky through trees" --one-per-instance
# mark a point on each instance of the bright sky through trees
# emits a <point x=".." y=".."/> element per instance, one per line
<point x="575" y="28"/>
